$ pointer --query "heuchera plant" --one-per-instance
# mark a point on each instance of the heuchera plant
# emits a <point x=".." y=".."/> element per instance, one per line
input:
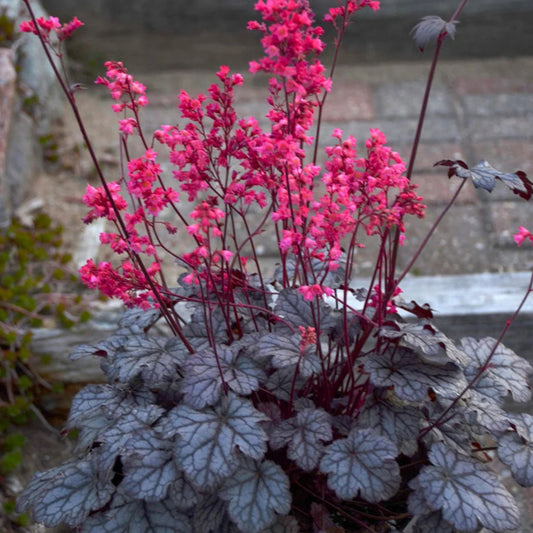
<point x="284" y="401"/>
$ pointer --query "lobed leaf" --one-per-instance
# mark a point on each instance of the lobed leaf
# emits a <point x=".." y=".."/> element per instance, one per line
<point x="138" y="516"/>
<point x="146" y="357"/>
<point x="516" y="451"/>
<point x="281" y="381"/>
<point x="401" y="425"/>
<point x="209" y="514"/>
<point x="256" y="493"/>
<point x="410" y="377"/>
<point x="506" y="369"/>
<point x="67" y="493"/>
<point x="430" y="28"/>
<point x="93" y="400"/>
<point x="292" y="306"/>
<point x="139" y="320"/>
<point x="466" y="491"/>
<point x="285" y="352"/>
<point x="208" y="439"/>
<point x="362" y="464"/>
<point x="148" y="466"/>
<point x="484" y="176"/>
<point x="430" y="344"/>
<point x="284" y="524"/>
<point x="203" y="381"/>
<point x="304" y="435"/>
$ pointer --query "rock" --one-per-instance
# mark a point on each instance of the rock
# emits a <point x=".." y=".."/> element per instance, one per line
<point x="7" y="95"/>
<point x="31" y="102"/>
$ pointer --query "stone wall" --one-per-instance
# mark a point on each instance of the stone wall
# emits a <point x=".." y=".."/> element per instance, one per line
<point x="30" y="101"/>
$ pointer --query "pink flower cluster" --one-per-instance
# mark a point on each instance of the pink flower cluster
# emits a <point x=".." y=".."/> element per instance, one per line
<point x="128" y="283"/>
<point x="51" y="24"/>
<point x="229" y="165"/>
<point x="522" y="235"/>
<point x="131" y="94"/>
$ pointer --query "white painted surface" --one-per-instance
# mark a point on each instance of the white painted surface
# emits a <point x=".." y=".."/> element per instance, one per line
<point x="473" y="294"/>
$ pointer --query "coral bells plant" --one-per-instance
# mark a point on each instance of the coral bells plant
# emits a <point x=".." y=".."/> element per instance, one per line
<point x="246" y="400"/>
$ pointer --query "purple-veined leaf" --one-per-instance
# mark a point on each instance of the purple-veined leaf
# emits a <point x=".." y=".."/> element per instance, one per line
<point x="280" y="383"/>
<point x="196" y="333"/>
<point x="452" y="430"/>
<point x="148" y="466"/>
<point x="364" y="463"/>
<point x="208" y="439"/>
<point x="144" y="356"/>
<point x="430" y="28"/>
<point x="484" y="176"/>
<point x="94" y="399"/>
<point x="202" y="384"/>
<point x="137" y="516"/>
<point x="285" y="352"/>
<point x="427" y="520"/>
<point x="182" y="493"/>
<point x="433" y="522"/>
<point x="506" y="369"/>
<point x="67" y="493"/>
<point x="410" y="377"/>
<point x="292" y="306"/>
<point x="114" y="438"/>
<point x="430" y="344"/>
<point x="483" y="410"/>
<point x="209" y="514"/>
<point x="416" y="502"/>
<point x="139" y="320"/>
<point x="466" y="491"/>
<point x="304" y="435"/>
<point x="284" y="524"/>
<point x="256" y="493"/>
<point x="400" y="425"/>
<point x="516" y="451"/>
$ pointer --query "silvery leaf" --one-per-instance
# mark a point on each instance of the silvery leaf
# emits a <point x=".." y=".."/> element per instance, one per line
<point x="430" y="28"/>
<point x="280" y="383"/>
<point x="292" y="306"/>
<point x="466" y="491"/>
<point x="182" y="493"/>
<point x="430" y="344"/>
<point x="137" y="516"/>
<point x="483" y="410"/>
<point x="139" y="320"/>
<point x="284" y="524"/>
<point x="93" y="400"/>
<point x="304" y="435"/>
<point x="196" y="333"/>
<point x="285" y="352"/>
<point x="208" y="439"/>
<point x="203" y="381"/>
<point x="362" y="464"/>
<point x="506" y="369"/>
<point x="400" y="425"/>
<point x="209" y="514"/>
<point x="148" y="467"/>
<point x="144" y="356"/>
<point x="410" y="377"/>
<point x="516" y="451"/>
<point x="67" y="493"/>
<point x="433" y="522"/>
<point x="256" y="493"/>
<point x="484" y="176"/>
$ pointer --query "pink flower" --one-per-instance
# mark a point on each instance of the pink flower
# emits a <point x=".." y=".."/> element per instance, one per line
<point x="103" y="204"/>
<point x="522" y="235"/>
<point x="310" y="292"/>
<point x="45" y="26"/>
